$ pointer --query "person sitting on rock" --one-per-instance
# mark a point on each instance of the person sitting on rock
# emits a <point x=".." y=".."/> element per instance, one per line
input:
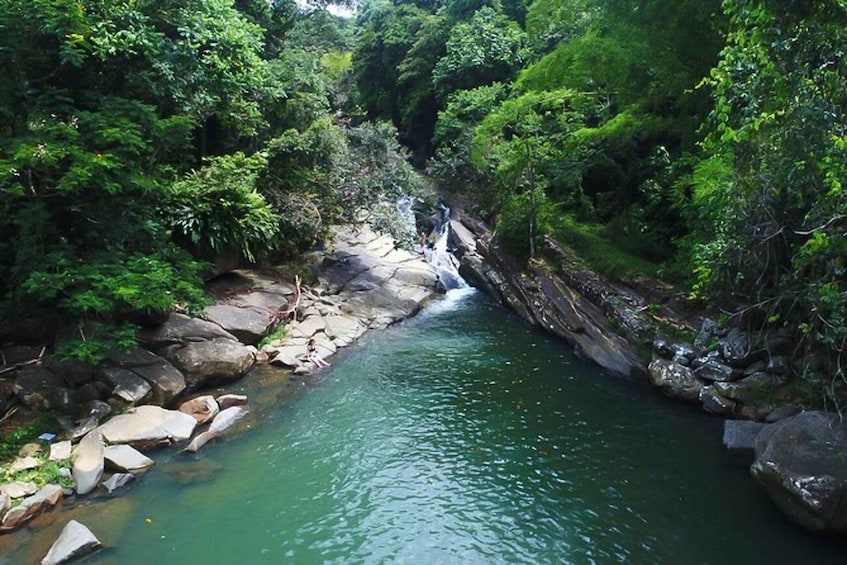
<point x="312" y="355"/>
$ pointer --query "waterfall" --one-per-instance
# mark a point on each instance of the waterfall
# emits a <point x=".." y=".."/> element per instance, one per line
<point x="442" y="259"/>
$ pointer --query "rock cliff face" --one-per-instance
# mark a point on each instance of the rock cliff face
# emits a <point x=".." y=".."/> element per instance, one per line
<point x="602" y="322"/>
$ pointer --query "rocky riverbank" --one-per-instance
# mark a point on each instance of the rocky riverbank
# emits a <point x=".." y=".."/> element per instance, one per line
<point x="633" y="331"/>
<point x="361" y="282"/>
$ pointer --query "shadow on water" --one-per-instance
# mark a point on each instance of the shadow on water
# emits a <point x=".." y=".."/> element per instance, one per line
<point x="461" y="436"/>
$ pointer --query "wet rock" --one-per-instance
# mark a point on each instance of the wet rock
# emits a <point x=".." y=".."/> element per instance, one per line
<point x="127" y="459"/>
<point x="246" y="324"/>
<point x="227" y="400"/>
<point x="147" y="426"/>
<point x="193" y="472"/>
<point x="201" y="408"/>
<point x="46" y="498"/>
<point x="5" y="503"/>
<point x="663" y="348"/>
<point x="675" y="380"/>
<point x="800" y="464"/>
<point x="88" y="463"/>
<point x="740" y="435"/>
<point x="117" y="481"/>
<point x="74" y="542"/>
<point x="714" y="403"/>
<point x="778" y="365"/>
<point x="60" y="451"/>
<point x="714" y="370"/>
<point x="206" y="363"/>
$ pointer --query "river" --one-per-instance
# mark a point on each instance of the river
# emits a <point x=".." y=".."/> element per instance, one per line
<point x="460" y="436"/>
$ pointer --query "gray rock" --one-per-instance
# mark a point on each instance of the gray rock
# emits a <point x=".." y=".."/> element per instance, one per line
<point x="307" y="328"/>
<point x="165" y="379"/>
<point x="227" y="400"/>
<point x="116" y="481"/>
<point x="210" y="362"/>
<point x="751" y="389"/>
<point x="227" y="418"/>
<point x="60" y="451"/>
<point x="801" y="464"/>
<point x="127" y="459"/>
<point x="714" y="370"/>
<point x="74" y="542"/>
<point x="714" y="403"/>
<point x="127" y="385"/>
<point x="740" y="435"/>
<point x="181" y="329"/>
<point x="5" y="503"/>
<point x="202" y="408"/>
<point x="48" y="497"/>
<point x="24" y="464"/>
<point x="201" y="439"/>
<point x="288" y="356"/>
<point x="19" y="489"/>
<point x="246" y="324"/>
<point x="737" y="350"/>
<point x="88" y="463"/>
<point x="675" y="380"/>
<point x="783" y="412"/>
<point x="708" y="332"/>
<point x="663" y="348"/>
<point x="148" y="426"/>
<point x="84" y="428"/>
<point x="38" y="388"/>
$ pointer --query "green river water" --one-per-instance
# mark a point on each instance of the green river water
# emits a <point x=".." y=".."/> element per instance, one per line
<point x="460" y="436"/>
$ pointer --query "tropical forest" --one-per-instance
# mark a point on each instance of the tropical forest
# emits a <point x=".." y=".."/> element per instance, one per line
<point x="197" y="191"/>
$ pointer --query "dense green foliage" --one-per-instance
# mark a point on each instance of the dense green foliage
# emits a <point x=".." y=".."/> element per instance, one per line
<point x="706" y="136"/>
<point x="139" y="140"/>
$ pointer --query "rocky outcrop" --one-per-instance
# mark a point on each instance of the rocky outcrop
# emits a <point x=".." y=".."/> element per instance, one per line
<point x="202" y="408"/>
<point x="74" y="542"/>
<point x="222" y="422"/>
<point x="800" y="464"/>
<point x="733" y="376"/>
<point x="247" y="323"/>
<point x="675" y="380"/>
<point x="569" y="302"/>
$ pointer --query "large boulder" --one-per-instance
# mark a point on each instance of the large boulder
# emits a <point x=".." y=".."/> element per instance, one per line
<point x="247" y="324"/>
<point x="751" y="389"/>
<point x="88" y="462"/>
<point x="147" y="426"/>
<point x="739" y="436"/>
<point x="180" y="329"/>
<point x="207" y="363"/>
<point x="675" y="380"/>
<point x="166" y="380"/>
<point x="75" y="541"/>
<point x="801" y="464"/>
<point x="127" y="385"/>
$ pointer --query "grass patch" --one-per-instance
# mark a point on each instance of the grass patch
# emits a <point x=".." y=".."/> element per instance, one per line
<point x="47" y="473"/>
<point x="12" y="442"/>
<point x="591" y="244"/>
<point x="276" y="335"/>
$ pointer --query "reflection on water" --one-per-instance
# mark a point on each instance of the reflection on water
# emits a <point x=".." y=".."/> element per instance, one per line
<point x="459" y="437"/>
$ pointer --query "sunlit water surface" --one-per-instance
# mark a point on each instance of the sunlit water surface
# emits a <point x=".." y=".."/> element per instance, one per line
<point x="461" y="436"/>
